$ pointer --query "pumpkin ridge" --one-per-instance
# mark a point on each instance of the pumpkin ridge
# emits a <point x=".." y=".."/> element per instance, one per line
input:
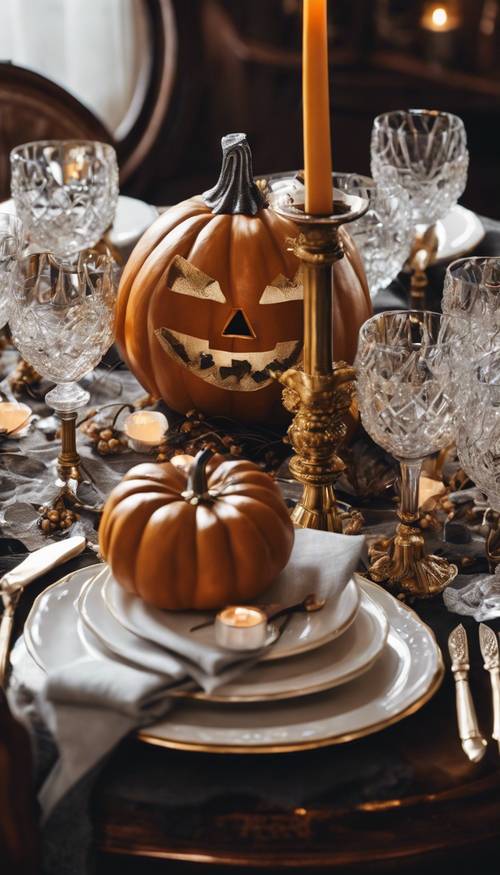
<point x="261" y="496"/>
<point x="273" y="521"/>
<point x="263" y="550"/>
<point x="270" y="530"/>
<point x="218" y="229"/>
<point x="281" y="253"/>
<point x="147" y="244"/>
<point x="276" y="225"/>
<point x="151" y="274"/>
<point x="214" y="542"/>
<point x="128" y="516"/>
<point x="146" y="557"/>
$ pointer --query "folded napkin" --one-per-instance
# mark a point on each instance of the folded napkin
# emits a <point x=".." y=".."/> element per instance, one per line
<point x="90" y="704"/>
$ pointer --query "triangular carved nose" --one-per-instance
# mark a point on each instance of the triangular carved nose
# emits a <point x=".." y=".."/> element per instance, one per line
<point x="238" y="326"/>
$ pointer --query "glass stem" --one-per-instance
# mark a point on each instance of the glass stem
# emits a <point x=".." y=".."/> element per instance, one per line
<point x="410" y="479"/>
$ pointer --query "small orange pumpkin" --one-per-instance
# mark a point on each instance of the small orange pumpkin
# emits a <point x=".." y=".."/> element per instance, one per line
<point x="200" y="541"/>
<point x="211" y="300"/>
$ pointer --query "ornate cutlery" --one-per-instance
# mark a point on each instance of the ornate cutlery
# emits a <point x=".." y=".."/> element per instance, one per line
<point x="488" y="641"/>
<point x="473" y="743"/>
<point x="13" y="583"/>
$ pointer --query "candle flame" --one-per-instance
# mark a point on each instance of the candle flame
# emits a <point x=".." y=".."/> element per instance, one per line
<point x="439" y="16"/>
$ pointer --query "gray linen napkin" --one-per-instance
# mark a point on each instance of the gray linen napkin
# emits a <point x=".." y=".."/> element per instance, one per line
<point x="90" y="704"/>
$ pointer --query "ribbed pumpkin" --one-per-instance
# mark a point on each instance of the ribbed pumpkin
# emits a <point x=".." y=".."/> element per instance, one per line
<point x="211" y="296"/>
<point x="218" y="535"/>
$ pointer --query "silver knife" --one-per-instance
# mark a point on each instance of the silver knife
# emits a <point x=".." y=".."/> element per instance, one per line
<point x="13" y="583"/>
<point x="473" y="743"/>
<point x="488" y="642"/>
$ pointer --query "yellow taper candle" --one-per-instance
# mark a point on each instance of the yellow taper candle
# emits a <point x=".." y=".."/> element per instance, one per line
<point x="316" y="109"/>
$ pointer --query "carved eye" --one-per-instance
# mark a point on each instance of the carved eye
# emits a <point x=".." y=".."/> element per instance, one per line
<point x="186" y="279"/>
<point x="282" y="289"/>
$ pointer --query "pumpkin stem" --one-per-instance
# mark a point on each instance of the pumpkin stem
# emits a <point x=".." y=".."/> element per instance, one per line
<point x="197" y="481"/>
<point x="235" y="191"/>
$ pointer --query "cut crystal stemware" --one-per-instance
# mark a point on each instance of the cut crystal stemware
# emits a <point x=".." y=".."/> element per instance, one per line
<point x="11" y="247"/>
<point x="62" y="324"/>
<point x="426" y="152"/>
<point x="478" y="439"/>
<point x="65" y="191"/>
<point x="406" y="379"/>
<point x="383" y="234"/>
<point x="472" y="293"/>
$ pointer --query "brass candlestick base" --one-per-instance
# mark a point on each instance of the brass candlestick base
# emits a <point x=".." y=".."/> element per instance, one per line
<point x="401" y="562"/>
<point x="319" y="404"/>
<point x="320" y="393"/>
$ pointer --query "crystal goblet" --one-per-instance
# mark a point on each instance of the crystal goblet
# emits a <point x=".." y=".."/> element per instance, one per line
<point x="478" y="445"/>
<point x="65" y="191"/>
<point x="383" y="234"/>
<point x="406" y="378"/>
<point x="61" y="320"/>
<point x="472" y="293"/>
<point x="426" y="152"/>
<point x="11" y="248"/>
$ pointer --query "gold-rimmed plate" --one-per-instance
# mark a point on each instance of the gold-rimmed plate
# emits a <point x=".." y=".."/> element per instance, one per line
<point x="303" y="632"/>
<point x="405" y="676"/>
<point x="74" y="607"/>
<point x="328" y="666"/>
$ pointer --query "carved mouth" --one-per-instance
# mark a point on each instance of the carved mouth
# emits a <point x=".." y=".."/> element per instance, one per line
<point x="224" y="370"/>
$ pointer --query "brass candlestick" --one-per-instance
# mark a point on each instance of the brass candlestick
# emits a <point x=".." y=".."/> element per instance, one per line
<point x="320" y="393"/>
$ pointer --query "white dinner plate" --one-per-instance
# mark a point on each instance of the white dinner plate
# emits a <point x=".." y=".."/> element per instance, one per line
<point x="458" y="233"/>
<point x="335" y="663"/>
<point x="74" y="604"/>
<point x="405" y="676"/>
<point x="132" y="218"/>
<point x="303" y="631"/>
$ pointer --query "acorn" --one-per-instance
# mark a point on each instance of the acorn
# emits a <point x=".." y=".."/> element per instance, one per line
<point x="56" y="517"/>
<point x="106" y="440"/>
<point x="23" y="377"/>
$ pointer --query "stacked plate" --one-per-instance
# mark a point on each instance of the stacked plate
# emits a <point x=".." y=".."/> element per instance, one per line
<point x="361" y="663"/>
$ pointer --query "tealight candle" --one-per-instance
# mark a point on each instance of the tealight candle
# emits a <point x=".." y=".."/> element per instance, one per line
<point x="241" y="628"/>
<point x="145" y="429"/>
<point x="13" y="418"/>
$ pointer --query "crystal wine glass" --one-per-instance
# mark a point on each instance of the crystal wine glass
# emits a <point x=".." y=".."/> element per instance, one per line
<point x="472" y="293"/>
<point x="11" y="247"/>
<point x="65" y="191"/>
<point x="62" y="323"/>
<point x="383" y="235"/>
<point x="406" y="379"/>
<point x="426" y="152"/>
<point x="478" y="444"/>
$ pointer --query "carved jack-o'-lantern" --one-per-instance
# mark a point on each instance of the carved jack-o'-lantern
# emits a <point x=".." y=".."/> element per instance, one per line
<point x="210" y="301"/>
